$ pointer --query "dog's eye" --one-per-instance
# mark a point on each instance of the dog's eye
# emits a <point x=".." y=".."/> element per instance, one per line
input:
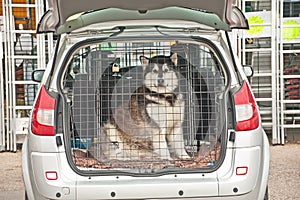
<point x="166" y="70"/>
<point x="155" y="71"/>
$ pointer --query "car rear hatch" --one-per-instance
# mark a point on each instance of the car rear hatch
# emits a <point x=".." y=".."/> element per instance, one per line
<point x="60" y="13"/>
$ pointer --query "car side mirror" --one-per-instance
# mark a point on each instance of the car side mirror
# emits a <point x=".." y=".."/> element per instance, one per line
<point x="248" y="70"/>
<point x="37" y="75"/>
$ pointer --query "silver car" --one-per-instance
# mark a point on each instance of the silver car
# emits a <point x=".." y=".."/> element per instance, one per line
<point x="144" y="100"/>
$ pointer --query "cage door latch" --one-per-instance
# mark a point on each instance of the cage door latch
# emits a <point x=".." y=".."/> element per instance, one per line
<point x="232" y="136"/>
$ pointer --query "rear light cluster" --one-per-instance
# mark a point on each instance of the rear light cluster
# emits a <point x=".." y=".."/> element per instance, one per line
<point x="247" y="116"/>
<point x="42" y="119"/>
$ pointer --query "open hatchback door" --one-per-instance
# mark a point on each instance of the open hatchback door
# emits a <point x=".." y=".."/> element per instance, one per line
<point x="65" y="17"/>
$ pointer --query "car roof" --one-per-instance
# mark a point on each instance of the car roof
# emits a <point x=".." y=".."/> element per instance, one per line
<point x="221" y="13"/>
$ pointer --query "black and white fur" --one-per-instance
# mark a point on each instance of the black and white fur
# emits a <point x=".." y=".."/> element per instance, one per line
<point x="153" y="116"/>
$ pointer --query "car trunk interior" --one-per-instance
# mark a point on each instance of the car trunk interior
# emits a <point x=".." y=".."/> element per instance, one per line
<point x="145" y="106"/>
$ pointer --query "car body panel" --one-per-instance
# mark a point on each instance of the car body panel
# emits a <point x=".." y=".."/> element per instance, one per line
<point x="168" y="186"/>
<point x="26" y="170"/>
<point x="249" y="157"/>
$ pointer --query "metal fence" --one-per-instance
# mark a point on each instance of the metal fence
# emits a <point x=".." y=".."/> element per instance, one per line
<point x="272" y="47"/>
<point x="24" y="51"/>
<point x="2" y="121"/>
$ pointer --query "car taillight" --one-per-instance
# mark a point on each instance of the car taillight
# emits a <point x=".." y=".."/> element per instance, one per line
<point x="247" y="117"/>
<point x="42" y="119"/>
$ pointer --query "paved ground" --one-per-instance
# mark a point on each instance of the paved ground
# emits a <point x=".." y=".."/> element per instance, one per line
<point x="11" y="183"/>
<point x="284" y="181"/>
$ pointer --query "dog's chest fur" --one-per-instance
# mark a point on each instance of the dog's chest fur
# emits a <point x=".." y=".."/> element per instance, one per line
<point x="160" y="109"/>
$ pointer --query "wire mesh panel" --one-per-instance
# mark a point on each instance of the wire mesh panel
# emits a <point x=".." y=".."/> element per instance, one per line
<point x="262" y="84"/>
<point x="145" y="105"/>
<point x="272" y="39"/>
<point x="290" y="76"/>
<point x="291" y="79"/>
<point x="257" y="52"/>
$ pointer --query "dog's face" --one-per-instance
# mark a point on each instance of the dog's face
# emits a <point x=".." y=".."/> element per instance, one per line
<point x="159" y="74"/>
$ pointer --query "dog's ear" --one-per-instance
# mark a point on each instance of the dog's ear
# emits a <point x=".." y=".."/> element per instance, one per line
<point x="145" y="61"/>
<point x="174" y="59"/>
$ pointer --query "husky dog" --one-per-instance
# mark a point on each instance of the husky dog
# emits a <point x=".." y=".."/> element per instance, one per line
<point x="150" y="125"/>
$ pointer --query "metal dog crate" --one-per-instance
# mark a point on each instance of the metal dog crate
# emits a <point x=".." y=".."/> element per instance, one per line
<point x="102" y="79"/>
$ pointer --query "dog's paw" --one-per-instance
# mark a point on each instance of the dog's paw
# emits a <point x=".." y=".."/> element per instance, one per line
<point x="180" y="97"/>
<point x="183" y="155"/>
<point x="180" y="100"/>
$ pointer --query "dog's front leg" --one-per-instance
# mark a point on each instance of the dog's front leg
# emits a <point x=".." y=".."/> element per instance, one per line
<point x="175" y="133"/>
<point x="160" y="145"/>
<point x="158" y="114"/>
<point x="176" y="142"/>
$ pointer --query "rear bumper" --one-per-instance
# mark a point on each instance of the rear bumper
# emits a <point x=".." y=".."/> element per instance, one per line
<point x="221" y="183"/>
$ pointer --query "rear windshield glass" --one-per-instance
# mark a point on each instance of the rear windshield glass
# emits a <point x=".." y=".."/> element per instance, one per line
<point x="140" y="106"/>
